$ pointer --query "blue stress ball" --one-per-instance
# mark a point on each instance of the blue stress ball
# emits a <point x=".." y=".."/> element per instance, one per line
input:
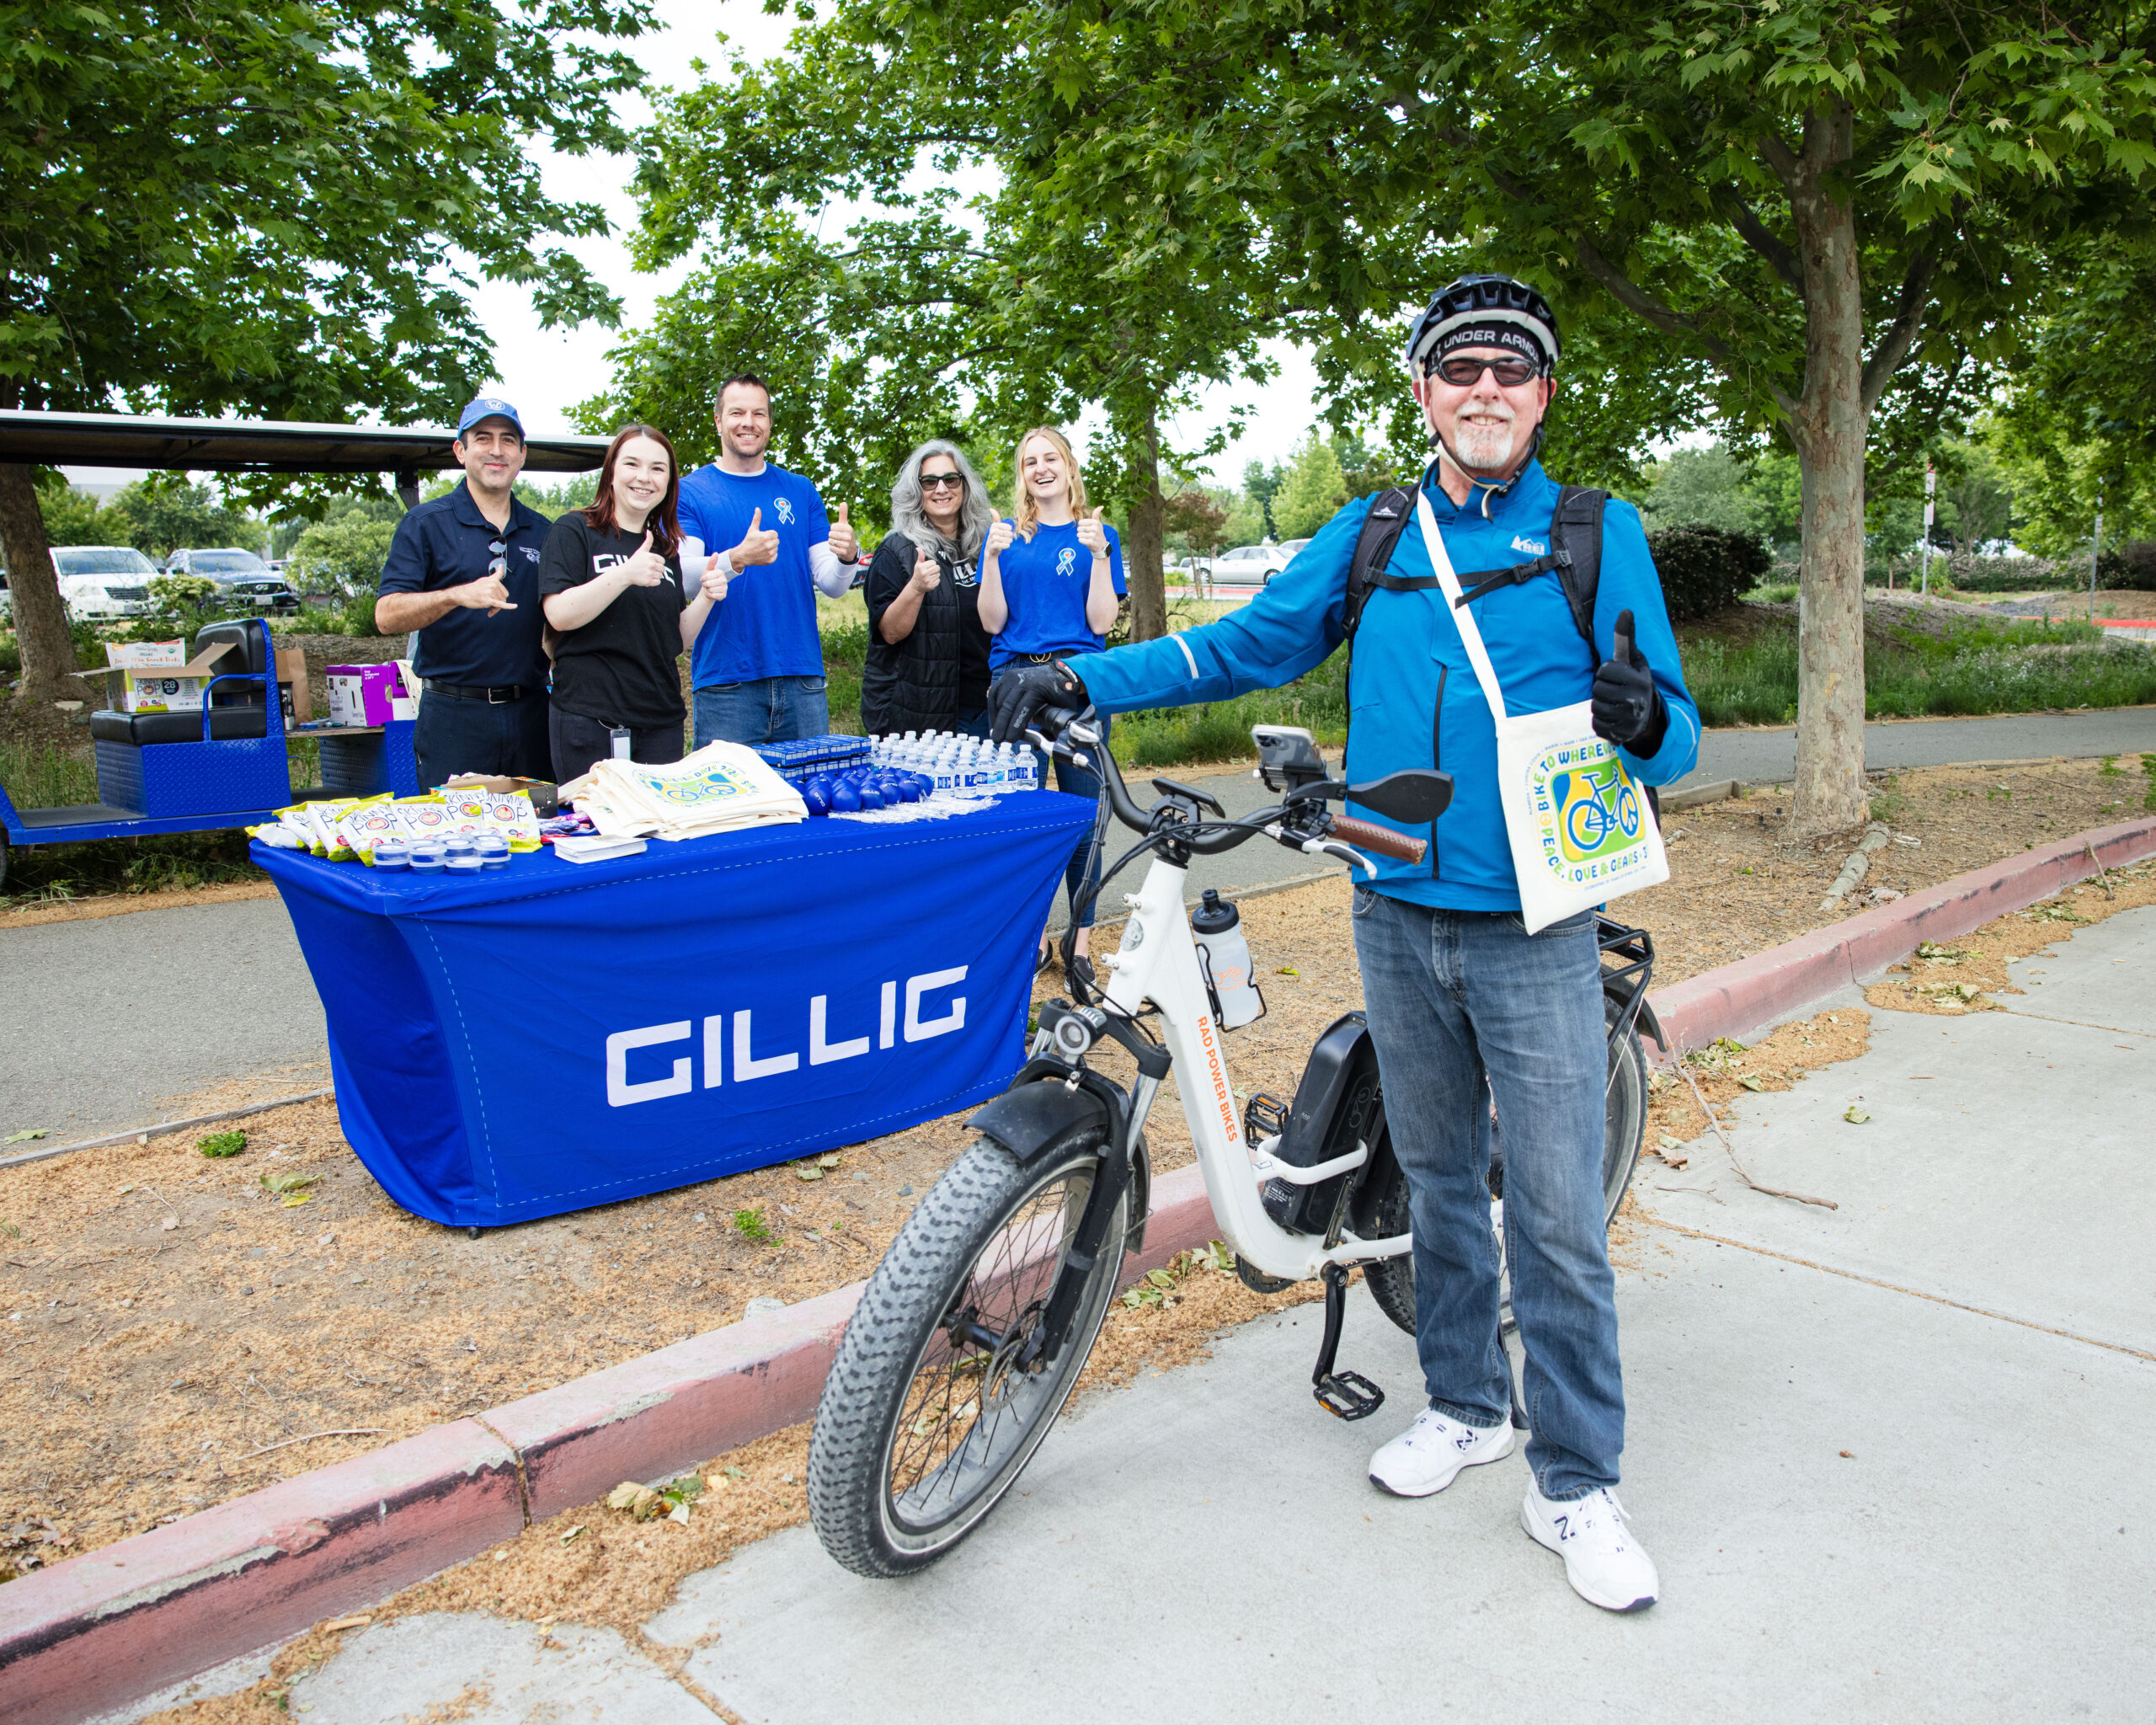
<point x="844" y="800"/>
<point x="818" y="799"/>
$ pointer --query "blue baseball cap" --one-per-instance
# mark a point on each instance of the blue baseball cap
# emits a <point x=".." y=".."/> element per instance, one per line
<point x="487" y="407"/>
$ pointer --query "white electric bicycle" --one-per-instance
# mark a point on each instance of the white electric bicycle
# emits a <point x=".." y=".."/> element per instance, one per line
<point x="974" y="1329"/>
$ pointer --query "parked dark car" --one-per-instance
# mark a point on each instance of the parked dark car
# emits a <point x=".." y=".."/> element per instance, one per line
<point x="245" y="579"/>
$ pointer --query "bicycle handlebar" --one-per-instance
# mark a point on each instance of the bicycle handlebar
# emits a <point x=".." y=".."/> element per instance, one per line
<point x="1383" y="840"/>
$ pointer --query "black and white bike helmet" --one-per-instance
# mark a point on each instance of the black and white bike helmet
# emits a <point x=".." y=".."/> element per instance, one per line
<point x="1485" y="311"/>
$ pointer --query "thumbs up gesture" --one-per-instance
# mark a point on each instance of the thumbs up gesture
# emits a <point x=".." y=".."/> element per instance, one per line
<point x="647" y="568"/>
<point x="999" y="536"/>
<point x="927" y="573"/>
<point x="760" y="544"/>
<point x="1628" y="708"/>
<point x="1093" y="533"/>
<point x="844" y="546"/>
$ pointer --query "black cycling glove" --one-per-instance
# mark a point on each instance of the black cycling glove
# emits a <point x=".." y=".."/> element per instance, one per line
<point x="1015" y="698"/>
<point x="1628" y="708"/>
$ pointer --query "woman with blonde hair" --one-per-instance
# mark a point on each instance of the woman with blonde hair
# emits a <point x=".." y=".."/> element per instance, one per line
<point x="1051" y="575"/>
<point x="927" y="668"/>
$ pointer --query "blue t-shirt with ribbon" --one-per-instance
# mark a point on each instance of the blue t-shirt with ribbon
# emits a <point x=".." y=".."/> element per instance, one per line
<point x="1045" y="582"/>
<point x="766" y="626"/>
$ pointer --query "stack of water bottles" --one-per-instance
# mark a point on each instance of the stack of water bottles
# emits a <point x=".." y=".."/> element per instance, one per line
<point x="919" y="777"/>
<point x="966" y="766"/>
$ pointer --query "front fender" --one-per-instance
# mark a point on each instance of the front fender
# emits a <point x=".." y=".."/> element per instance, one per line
<point x="1028" y="1118"/>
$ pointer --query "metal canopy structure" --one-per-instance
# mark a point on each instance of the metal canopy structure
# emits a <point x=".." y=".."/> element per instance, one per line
<point x="261" y="446"/>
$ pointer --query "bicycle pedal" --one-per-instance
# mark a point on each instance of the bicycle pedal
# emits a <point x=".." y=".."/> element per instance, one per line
<point x="1348" y="1395"/>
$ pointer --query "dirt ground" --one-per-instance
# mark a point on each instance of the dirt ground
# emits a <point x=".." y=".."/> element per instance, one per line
<point x="176" y="1330"/>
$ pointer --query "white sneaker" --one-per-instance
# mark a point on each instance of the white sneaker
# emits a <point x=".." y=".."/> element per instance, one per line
<point x="1428" y="1455"/>
<point x="1602" y="1561"/>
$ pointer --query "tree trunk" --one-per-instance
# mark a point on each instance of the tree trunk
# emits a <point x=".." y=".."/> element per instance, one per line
<point x="40" y="614"/>
<point x="1828" y="430"/>
<point x="1145" y="550"/>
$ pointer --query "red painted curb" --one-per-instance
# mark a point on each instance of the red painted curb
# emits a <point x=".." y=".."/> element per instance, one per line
<point x="114" y="1624"/>
<point x="123" y="1621"/>
<point x="1738" y="999"/>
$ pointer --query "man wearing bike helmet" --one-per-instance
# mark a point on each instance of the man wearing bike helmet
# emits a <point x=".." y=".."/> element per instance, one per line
<point x="1465" y="1007"/>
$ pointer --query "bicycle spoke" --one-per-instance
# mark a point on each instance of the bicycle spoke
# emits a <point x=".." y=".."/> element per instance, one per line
<point x="968" y="1403"/>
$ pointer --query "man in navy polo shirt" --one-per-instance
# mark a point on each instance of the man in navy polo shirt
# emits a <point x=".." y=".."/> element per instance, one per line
<point x="758" y="667"/>
<point x="463" y="571"/>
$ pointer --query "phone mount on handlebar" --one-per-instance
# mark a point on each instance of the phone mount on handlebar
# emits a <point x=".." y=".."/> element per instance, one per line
<point x="1287" y="757"/>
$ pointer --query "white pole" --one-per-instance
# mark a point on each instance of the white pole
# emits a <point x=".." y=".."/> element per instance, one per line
<point x="2096" y="547"/>
<point x="1930" y="491"/>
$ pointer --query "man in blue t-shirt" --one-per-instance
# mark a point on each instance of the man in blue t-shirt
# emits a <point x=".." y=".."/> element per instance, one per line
<point x="758" y="666"/>
<point x="463" y="573"/>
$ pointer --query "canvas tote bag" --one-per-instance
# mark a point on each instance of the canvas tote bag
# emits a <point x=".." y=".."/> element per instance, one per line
<point x="1581" y="832"/>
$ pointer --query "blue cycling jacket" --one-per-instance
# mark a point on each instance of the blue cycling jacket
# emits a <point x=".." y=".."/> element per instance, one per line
<point x="1413" y="697"/>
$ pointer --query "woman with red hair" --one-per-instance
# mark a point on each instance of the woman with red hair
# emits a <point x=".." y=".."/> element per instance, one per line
<point x="618" y="611"/>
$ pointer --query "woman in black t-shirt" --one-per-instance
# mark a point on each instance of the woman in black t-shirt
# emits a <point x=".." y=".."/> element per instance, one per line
<point x="927" y="667"/>
<point x="610" y="582"/>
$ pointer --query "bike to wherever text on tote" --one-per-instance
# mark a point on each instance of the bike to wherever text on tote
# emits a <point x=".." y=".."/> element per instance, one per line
<point x="974" y="1329"/>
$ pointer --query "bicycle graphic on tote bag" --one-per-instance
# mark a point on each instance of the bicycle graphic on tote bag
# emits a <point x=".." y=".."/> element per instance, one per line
<point x="974" y="1329"/>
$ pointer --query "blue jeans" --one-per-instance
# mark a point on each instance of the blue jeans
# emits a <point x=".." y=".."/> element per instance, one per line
<point x="768" y="710"/>
<point x="1464" y="1007"/>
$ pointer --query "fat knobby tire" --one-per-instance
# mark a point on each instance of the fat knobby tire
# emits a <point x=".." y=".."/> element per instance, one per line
<point x="916" y="1284"/>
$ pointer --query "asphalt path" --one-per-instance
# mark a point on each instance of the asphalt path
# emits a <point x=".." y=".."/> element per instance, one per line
<point x="1886" y="1457"/>
<point x="103" y="1021"/>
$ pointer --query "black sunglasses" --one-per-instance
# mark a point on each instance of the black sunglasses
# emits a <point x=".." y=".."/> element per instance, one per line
<point x="937" y="482"/>
<point x="1510" y="372"/>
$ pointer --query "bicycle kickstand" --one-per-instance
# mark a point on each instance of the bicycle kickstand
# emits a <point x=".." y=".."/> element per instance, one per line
<point x="1344" y="1395"/>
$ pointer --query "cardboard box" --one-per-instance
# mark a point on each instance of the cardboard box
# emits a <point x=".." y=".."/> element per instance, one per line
<point x="367" y="694"/>
<point x="157" y="677"/>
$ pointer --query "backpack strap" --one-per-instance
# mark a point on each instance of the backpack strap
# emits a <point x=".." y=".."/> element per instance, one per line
<point x="1576" y="546"/>
<point x="1381" y="530"/>
<point x="1575" y="554"/>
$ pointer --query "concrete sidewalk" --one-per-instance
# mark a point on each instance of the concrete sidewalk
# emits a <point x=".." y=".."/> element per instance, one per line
<point x="1887" y="1457"/>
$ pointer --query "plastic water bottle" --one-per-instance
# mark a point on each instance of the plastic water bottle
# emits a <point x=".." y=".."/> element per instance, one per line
<point x="1226" y="954"/>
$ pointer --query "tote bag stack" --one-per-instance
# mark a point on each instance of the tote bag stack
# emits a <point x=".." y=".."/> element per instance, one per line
<point x="721" y="788"/>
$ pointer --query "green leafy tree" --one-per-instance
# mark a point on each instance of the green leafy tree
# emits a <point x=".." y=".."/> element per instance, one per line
<point x="934" y="315"/>
<point x="344" y="557"/>
<point x="73" y="517"/>
<point x="159" y="517"/>
<point x="1702" y="488"/>
<point x="1818" y="220"/>
<point x="1261" y="485"/>
<point x="232" y="207"/>
<point x="1313" y="491"/>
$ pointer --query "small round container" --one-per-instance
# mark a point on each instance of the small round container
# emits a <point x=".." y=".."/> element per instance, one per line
<point x="458" y="847"/>
<point x="468" y="864"/>
<point x="393" y="859"/>
<point x="428" y="859"/>
<point x="493" y="853"/>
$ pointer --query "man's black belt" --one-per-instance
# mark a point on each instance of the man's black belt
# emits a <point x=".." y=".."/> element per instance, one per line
<point x="515" y="691"/>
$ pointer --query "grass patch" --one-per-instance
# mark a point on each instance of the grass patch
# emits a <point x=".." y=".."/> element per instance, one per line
<point x="2009" y="667"/>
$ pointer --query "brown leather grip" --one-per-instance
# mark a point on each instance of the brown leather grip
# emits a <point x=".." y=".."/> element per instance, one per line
<point x="1381" y="839"/>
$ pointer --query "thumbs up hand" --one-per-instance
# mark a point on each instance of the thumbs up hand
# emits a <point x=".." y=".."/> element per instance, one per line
<point x="1628" y="708"/>
<point x="999" y="536"/>
<point x="760" y="544"/>
<point x="647" y="568"/>
<point x="1092" y="534"/>
<point x="844" y="546"/>
<point x="927" y="573"/>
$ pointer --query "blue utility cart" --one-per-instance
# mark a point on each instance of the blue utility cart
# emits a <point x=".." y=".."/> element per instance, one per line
<point x="226" y="765"/>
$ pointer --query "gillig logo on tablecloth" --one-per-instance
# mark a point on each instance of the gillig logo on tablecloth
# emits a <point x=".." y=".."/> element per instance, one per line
<point x="1587" y="813"/>
<point x="623" y="1092"/>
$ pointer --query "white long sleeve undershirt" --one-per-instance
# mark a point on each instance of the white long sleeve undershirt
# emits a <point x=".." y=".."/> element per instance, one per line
<point x="832" y="577"/>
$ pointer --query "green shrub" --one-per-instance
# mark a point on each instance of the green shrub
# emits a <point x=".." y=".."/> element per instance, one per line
<point x="1706" y="569"/>
<point x="2132" y="568"/>
<point x="358" y="614"/>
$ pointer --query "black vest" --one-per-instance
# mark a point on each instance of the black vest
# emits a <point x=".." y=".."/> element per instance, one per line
<point x="915" y="684"/>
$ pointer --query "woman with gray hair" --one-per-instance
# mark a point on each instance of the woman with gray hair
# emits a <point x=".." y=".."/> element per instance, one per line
<point x="927" y="667"/>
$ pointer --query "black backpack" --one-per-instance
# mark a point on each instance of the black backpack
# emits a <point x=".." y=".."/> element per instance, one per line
<point x="1575" y="554"/>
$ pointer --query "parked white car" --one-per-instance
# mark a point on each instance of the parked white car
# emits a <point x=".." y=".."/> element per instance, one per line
<point x="1254" y="565"/>
<point x="102" y="582"/>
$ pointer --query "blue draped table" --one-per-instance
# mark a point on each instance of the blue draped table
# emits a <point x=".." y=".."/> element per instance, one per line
<point x="550" y="1036"/>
